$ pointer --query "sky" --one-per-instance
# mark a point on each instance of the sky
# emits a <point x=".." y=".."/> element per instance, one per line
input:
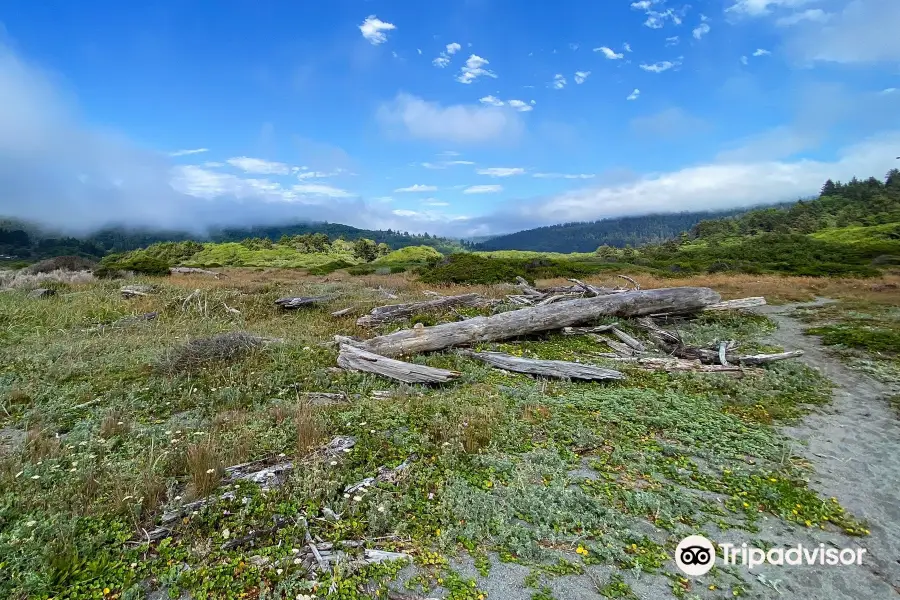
<point x="463" y="118"/>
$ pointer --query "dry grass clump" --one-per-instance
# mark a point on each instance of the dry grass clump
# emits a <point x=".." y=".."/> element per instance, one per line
<point x="310" y="429"/>
<point x="114" y="424"/>
<point x="19" y="279"/>
<point x="39" y="445"/>
<point x="222" y="347"/>
<point x="205" y="468"/>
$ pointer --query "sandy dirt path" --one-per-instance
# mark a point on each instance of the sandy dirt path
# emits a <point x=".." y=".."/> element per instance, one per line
<point x="854" y="447"/>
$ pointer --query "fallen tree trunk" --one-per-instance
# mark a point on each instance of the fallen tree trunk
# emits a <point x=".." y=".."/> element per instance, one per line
<point x="540" y="318"/>
<point x="761" y="359"/>
<point x="357" y="359"/>
<point x="545" y="368"/>
<point x="737" y="304"/>
<point x="193" y="271"/>
<point x="677" y="365"/>
<point x="398" y="312"/>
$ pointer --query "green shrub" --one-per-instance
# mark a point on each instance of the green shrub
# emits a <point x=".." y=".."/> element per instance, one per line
<point x="411" y="254"/>
<point x="398" y="269"/>
<point x="330" y="267"/>
<point x="470" y="268"/>
<point x="138" y="263"/>
<point x="361" y="270"/>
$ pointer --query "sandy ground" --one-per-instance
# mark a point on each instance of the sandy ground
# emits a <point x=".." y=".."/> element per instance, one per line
<point x="853" y="445"/>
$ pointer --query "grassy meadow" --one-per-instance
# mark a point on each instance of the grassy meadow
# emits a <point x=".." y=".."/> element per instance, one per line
<point x="105" y="425"/>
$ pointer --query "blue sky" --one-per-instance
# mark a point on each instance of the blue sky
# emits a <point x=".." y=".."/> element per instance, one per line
<point x="463" y="118"/>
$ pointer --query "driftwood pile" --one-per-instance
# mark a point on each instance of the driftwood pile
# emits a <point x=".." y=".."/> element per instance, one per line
<point x="569" y="309"/>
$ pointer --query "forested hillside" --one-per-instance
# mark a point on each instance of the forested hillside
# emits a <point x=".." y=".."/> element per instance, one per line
<point x="27" y="241"/>
<point x="585" y="237"/>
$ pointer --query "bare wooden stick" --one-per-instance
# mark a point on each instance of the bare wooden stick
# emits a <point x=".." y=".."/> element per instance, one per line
<point x="636" y="285"/>
<point x="539" y="318"/>
<point x="397" y="312"/>
<point x="193" y="271"/>
<point x="357" y="359"/>
<point x="526" y="287"/>
<point x="675" y="365"/>
<point x="343" y="311"/>
<point x="760" y="359"/>
<point x="545" y="368"/>
<point x="586" y="330"/>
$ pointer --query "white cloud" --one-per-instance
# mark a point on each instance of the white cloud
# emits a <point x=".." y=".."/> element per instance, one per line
<point x="320" y="189"/>
<point x="446" y="163"/>
<point x="455" y="123"/>
<point x="453" y="48"/>
<point x="521" y="106"/>
<point x="501" y="171"/>
<point x="609" y="53"/>
<point x="627" y="47"/>
<point x="259" y="166"/>
<point x="581" y="76"/>
<point x="672" y="41"/>
<point x="659" y="67"/>
<point x="634" y="95"/>
<point x="416" y="188"/>
<point x="491" y="101"/>
<point x="888" y="90"/>
<point x="188" y="152"/>
<point x="434" y="202"/>
<point x="318" y="174"/>
<point x="863" y="32"/>
<point x="755" y="8"/>
<point x="483" y="189"/>
<point x="441" y="61"/>
<point x="761" y="52"/>
<point x="213" y="164"/>
<point x="473" y="69"/>
<point x="559" y="82"/>
<point x="656" y="19"/>
<point x="373" y="29"/>
<point x="814" y="15"/>
<point x="710" y="186"/>
<point x="563" y="175"/>
<point x="744" y="60"/>
<point x="419" y="51"/>
<point x="701" y="30"/>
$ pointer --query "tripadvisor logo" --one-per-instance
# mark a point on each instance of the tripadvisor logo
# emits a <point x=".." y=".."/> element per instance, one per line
<point x="695" y="555"/>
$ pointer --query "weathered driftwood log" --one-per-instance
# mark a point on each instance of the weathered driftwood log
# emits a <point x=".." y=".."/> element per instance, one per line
<point x="344" y="311"/>
<point x="290" y="303"/>
<point x="131" y="291"/>
<point x="636" y="285"/>
<point x="526" y="288"/>
<point x="619" y="347"/>
<point x="398" y="312"/>
<point x="41" y="293"/>
<point x="357" y="359"/>
<point x="193" y="271"/>
<point x="540" y="318"/>
<point x="545" y="368"/>
<point x="737" y="304"/>
<point x="384" y="475"/>
<point x="760" y="359"/>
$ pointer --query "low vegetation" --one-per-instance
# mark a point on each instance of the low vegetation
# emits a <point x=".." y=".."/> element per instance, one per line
<point x="553" y="475"/>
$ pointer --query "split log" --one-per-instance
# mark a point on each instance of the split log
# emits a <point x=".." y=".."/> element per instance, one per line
<point x="193" y="271"/>
<point x="357" y="359"/>
<point x="537" y="319"/>
<point x="398" y="312"/>
<point x="291" y="303"/>
<point x="630" y="341"/>
<point x="587" y="330"/>
<point x="545" y="368"/>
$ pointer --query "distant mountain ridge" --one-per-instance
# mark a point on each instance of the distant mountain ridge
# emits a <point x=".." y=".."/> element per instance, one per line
<point x="617" y="232"/>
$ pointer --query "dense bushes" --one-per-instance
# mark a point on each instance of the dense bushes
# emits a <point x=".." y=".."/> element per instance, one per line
<point x="472" y="269"/>
<point x="330" y="267"/>
<point x="138" y="263"/>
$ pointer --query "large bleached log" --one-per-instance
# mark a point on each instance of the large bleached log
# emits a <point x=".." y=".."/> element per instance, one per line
<point x="735" y="304"/>
<point x="545" y="368"/>
<point x="537" y="319"/>
<point x="397" y="312"/>
<point x="357" y="359"/>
